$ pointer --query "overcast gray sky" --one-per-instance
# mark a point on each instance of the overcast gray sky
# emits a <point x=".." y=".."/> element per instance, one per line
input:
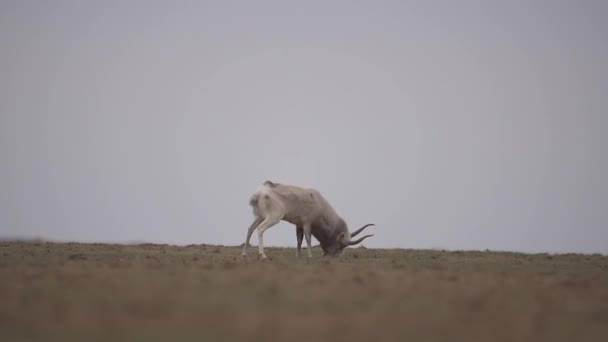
<point x="450" y="124"/>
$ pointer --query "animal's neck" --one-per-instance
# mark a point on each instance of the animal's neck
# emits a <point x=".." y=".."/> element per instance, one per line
<point x="326" y="231"/>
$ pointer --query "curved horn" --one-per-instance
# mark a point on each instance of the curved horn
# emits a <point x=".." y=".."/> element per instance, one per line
<point x="356" y="232"/>
<point x="359" y="240"/>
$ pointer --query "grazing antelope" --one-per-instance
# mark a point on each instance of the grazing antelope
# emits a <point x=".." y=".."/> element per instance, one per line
<point x="308" y="210"/>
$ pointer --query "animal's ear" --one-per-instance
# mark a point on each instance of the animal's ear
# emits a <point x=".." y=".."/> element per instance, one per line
<point x="341" y="237"/>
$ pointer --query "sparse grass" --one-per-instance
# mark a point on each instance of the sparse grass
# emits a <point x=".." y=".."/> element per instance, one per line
<point x="102" y="292"/>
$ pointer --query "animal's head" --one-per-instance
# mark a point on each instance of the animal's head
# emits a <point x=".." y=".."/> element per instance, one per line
<point x="343" y="240"/>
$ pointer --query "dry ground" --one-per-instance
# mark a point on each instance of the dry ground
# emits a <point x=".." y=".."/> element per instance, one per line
<point x="103" y="292"/>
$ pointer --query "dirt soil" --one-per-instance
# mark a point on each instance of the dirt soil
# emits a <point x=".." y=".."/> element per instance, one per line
<point x="148" y="292"/>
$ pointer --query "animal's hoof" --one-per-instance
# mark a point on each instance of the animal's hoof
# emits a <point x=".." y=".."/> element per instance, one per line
<point x="262" y="257"/>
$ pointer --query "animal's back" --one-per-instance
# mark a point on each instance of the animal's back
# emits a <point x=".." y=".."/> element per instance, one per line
<point x="299" y="203"/>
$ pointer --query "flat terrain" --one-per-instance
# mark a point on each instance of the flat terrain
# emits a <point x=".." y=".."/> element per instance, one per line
<point x="103" y="292"/>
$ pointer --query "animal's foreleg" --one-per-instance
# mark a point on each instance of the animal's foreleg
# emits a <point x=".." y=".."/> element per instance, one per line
<point x="307" y="233"/>
<point x="300" y="236"/>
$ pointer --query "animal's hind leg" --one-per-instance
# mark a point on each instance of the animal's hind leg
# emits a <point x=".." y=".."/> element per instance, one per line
<point x="267" y="223"/>
<point x="300" y="236"/>
<point x="254" y="225"/>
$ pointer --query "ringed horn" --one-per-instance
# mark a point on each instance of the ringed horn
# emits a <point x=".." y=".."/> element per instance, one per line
<point x="356" y="232"/>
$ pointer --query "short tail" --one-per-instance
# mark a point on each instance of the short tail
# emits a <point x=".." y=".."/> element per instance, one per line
<point x="253" y="201"/>
<point x="255" y="198"/>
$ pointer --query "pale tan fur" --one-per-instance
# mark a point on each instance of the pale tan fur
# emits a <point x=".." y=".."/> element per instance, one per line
<point x="304" y="207"/>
